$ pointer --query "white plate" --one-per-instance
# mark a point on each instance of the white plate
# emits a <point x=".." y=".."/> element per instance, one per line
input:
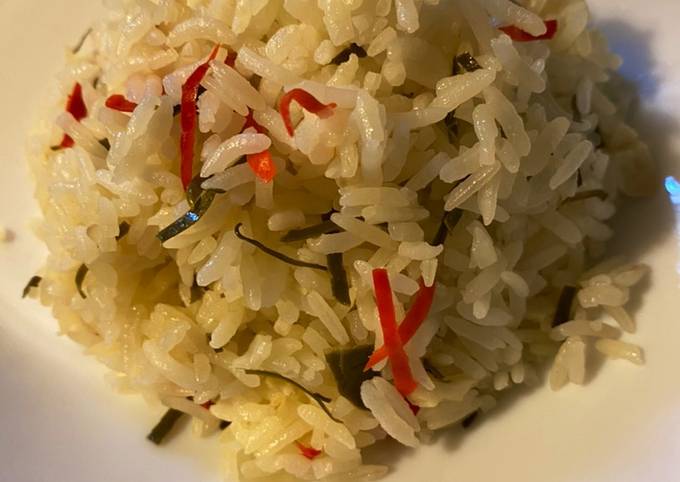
<point x="60" y="421"/>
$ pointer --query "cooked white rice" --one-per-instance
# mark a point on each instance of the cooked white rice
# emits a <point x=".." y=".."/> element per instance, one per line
<point x="530" y="149"/>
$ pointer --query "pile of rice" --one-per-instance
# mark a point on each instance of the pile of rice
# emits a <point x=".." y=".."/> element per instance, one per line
<point x="520" y="147"/>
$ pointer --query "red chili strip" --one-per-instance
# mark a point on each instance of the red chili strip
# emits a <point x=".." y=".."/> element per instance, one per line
<point x="261" y="163"/>
<point x="413" y="320"/>
<point x="308" y="103"/>
<point x="208" y="404"/>
<point x="519" y="35"/>
<point x="67" y="142"/>
<point x="189" y="117"/>
<point x="77" y="108"/>
<point x="120" y="103"/>
<point x="414" y="408"/>
<point x="403" y="378"/>
<point x="231" y="59"/>
<point x="308" y="452"/>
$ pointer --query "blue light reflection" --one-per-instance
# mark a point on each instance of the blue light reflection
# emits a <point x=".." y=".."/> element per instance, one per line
<point x="673" y="188"/>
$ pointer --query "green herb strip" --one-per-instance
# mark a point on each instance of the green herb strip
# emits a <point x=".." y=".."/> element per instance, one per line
<point x="164" y="426"/>
<point x="433" y="370"/>
<point x="465" y="63"/>
<point x="81" y="42"/>
<point x="123" y="230"/>
<point x="80" y="277"/>
<point x="345" y="55"/>
<point x="451" y="124"/>
<point x="449" y="222"/>
<point x="317" y="397"/>
<point x="275" y="254"/>
<point x="347" y="367"/>
<point x="34" y="282"/>
<point x="200" y="207"/>
<point x="563" y="311"/>
<point x="195" y="191"/>
<point x="309" y="232"/>
<point x="339" y="283"/>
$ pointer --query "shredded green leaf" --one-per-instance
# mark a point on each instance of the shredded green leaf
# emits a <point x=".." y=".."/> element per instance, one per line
<point x="433" y="370"/>
<point x="80" y="277"/>
<point x="465" y="63"/>
<point x="309" y="232"/>
<point x="347" y="367"/>
<point x="81" y="42"/>
<point x="164" y="426"/>
<point x="195" y="190"/>
<point x="123" y="230"/>
<point x="564" y="304"/>
<point x="275" y="254"/>
<point x="339" y="283"/>
<point x="34" y="282"/>
<point x="449" y="222"/>
<point x="345" y="55"/>
<point x="200" y="207"/>
<point x="317" y="397"/>
<point x="105" y="143"/>
<point x="451" y="124"/>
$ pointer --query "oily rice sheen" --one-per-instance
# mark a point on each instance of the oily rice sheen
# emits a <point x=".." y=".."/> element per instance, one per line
<point x="310" y="225"/>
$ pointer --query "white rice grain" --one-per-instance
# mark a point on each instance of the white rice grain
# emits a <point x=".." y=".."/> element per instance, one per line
<point x="571" y="164"/>
<point x="470" y="186"/>
<point x="619" y="350"/>
<point x="362" y="230"/>
<point x="328" y="317"/>
<point x="232" y="150"/>
<point x="201" y="28"/>
<point x="382" y="410"/>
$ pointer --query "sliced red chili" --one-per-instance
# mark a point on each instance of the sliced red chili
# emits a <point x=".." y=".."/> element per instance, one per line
<point x="189" y="117"/>
<point x="413" y="320"/>
<point x="67" y="142"/>
<point x="519" y="35"/>
<point x="261" y="163"/>
<point x="308" y="102"/>
<point x="208" y="404"/>
<point x="120" y="103"/>
<point x="308" y="452"/>
<point x="231" y="59"/>
<point x="403" y="378"/>
<point x="414" y="408"/>
<point x="77" y="108"/>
